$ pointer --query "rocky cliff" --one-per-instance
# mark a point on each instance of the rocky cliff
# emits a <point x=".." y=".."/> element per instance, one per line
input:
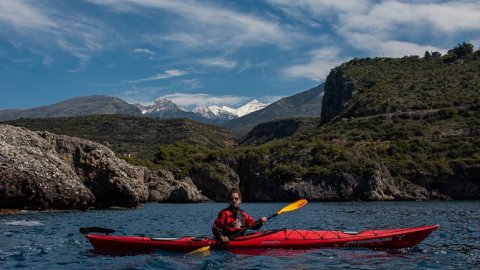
<point x="338" y="91"/>
<point x="275" y="176"/>
<point x="41" y="170"/>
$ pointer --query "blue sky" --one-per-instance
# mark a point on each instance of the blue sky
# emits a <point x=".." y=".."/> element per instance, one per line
<point x="208" y="52"/>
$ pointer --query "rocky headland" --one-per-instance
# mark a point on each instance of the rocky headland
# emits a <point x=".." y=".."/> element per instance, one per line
<point x="41" y="170"/>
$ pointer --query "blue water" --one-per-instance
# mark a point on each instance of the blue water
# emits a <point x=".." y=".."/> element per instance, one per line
<point x="51" y="240"/>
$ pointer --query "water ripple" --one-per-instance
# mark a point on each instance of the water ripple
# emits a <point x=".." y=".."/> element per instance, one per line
<point x="28" y="223"/>
<point x="51" y="240"/>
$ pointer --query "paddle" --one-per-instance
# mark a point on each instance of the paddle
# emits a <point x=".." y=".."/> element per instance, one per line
<point x="85" y="230"/>
<point x="291" y="207"/>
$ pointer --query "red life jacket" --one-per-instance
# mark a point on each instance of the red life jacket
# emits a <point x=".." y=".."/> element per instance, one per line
<point x="231" y="220"/>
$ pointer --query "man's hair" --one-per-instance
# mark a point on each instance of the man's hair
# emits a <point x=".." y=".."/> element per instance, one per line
<point x="235" y="190"/>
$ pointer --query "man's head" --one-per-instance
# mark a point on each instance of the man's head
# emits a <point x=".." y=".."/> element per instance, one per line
<point x="235" y="197"/>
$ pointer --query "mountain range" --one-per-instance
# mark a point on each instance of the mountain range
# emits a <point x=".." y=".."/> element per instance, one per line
<point x="226" y="112"/>
<point x="163" y="107"/>
<point x="243" y="118"/>
<point x="304" y="104"/>
<point x="78" y="106"/>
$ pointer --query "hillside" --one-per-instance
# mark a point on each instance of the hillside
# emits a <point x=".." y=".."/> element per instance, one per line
<point x="304" y="104"/>
<point x="140" y="137"/>
<point x="89" y="105"/>
<point x="295" y="129"/>
<point x="392" y="129"/>
<point x="386" y="85"/>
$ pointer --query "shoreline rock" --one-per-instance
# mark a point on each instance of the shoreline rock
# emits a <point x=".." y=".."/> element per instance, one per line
<point x="41" y="170"/>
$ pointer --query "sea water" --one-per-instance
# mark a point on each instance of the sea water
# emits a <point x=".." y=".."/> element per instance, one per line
<point x="50" y="240"/>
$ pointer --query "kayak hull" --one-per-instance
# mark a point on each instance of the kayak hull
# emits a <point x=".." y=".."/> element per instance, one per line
<point x="284" y="238"/>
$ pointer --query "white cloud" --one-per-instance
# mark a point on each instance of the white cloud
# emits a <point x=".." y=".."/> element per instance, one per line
<point x="191" y="84"/>
<point x="313" y="12"/>
<point x="204" y="24"/>
<point x="144" y="95"/>
<point x="390" y="48"/>
<point x="397" y="28"/>
<point x="161" y="76"/>
<point x="145" y="51"/>
<point x="318" y="65"/>
<point x="445" y="17"/>
<point x="389" y="27"/>
<point x="21" y="15"/>
<point x="193" y="100"/>
<point x="151" y="54"/>
<point x="43" y="30"/>
<point x="218" y="62"/>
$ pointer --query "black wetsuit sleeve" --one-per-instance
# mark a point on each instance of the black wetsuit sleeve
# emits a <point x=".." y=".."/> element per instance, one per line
<point x="217" y="232"/>
<point x="257" y="225"/>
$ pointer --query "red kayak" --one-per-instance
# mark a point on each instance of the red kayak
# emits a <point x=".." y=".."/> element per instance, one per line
<point x="284" y="238"/>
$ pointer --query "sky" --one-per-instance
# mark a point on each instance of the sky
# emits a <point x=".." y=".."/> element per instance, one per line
<point x="208" y="52"/>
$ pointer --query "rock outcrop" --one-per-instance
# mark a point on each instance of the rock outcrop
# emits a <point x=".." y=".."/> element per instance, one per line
<point x="374" y="183"/>
<point x="215" y="179"/>
<point x="338" y="90"/>
<point x="375" y="186"/>
<point x="41" y="170"/>
<point x="111" y="180"/>
<point x="33" y="175"/>
<point x="162" y="187"/>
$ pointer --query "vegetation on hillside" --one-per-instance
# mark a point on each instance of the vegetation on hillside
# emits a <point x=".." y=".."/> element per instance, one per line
<point x="420" y="117"/>
<point x="387" y="85"/>
<point x="132" y="136"/>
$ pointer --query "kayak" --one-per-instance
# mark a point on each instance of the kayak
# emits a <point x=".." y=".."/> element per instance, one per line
<point x="272" y="239"/>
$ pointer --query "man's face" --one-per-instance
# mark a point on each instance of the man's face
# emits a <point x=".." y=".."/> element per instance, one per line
<point x="235" y="200"/>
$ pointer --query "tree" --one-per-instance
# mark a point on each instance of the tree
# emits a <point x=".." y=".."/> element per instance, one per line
<point x="462" y="50"/>
<point x="427" y="55"/>
<point x="477" y="53"/>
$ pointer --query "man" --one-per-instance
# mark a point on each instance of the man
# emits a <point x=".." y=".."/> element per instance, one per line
<point x="232" y="219"/>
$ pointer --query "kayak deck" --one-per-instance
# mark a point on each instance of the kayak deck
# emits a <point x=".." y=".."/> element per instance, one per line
<point x="284" y="238"/>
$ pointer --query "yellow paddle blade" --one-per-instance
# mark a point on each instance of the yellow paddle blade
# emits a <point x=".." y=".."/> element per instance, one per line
<point x="293" y="206"/>
<point x="202" y="249"/>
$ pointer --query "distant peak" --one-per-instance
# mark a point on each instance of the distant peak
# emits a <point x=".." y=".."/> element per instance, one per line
<point x="161" y="104"/>
<point x="250" y="107"/>
<point x="162" y="99"/>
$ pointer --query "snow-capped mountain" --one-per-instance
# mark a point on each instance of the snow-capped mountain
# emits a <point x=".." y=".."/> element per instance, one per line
<point x="250" y="107"/>
<point x="161" y="105"/>
<point x="214" y="112"/>
<point x="225" y="112"/>
<point x="204" y="111"/>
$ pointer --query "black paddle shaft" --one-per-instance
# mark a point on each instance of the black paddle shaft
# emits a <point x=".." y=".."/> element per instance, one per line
<point x="85" y="230"/>
<point x="248" y="228"/>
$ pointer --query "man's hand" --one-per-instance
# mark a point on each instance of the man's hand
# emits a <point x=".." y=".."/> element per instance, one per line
<point x="224" y="239"/>
<point x="263" y="219"/>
